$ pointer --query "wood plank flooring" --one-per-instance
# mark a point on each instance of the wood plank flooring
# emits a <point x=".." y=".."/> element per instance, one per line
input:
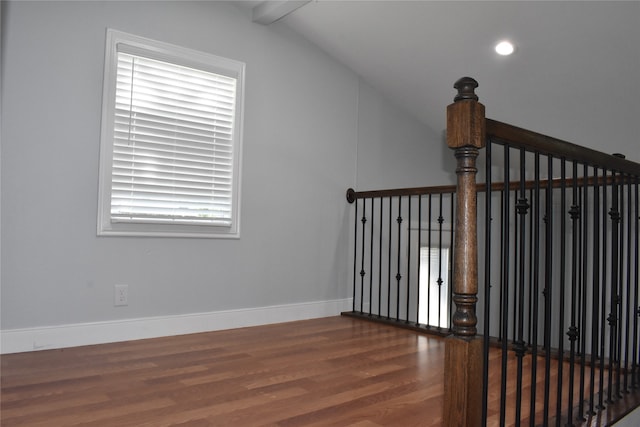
<point x="324" y="372"/>
<point x="336" y="371"/>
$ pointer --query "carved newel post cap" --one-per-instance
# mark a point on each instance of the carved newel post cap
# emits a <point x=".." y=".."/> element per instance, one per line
<point x="465" y="87"/>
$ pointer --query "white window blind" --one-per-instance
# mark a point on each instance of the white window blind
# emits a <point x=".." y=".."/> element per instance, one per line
<point x="173" y="142"/>
<point x="173" y="151"/>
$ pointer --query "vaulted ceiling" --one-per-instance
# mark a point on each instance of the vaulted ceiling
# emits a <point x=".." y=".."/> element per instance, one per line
<point x="575" y="73"/>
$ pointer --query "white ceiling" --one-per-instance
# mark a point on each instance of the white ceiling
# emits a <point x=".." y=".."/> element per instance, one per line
<point x="575" y="74"/>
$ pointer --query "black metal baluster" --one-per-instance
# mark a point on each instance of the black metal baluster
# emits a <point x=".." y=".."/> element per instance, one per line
<point x="535" y="285"/>
<point x="584" y="202"/>
<point x="439" y="281"/>
<point x="548" y="220"/>
<point x="371" y="257"/>
<point x="487" y="285"/>
<point x="362" y="271"/>
<point x="355" y="256"/>
<point x="516" y="266"/>
<point x="419" y="259"/>
<point x="614" y="214"/>
<point x="519" y="345"/>
<point x="389" y="260"/>
<point x="595" y="306"/>
<point x="451" y="272"/>
<point x="620" y="293"/>
<point x="380" y="261"/>
<point x="579" y="268"/>
<point x="635" y="369"/>
<point x="501" y="267"/>
<point x="408" y="260"/>
<point x="629" y="309"/>
<point x="533" y="314"/>
<point x="429" y="266"/>
<point x="398" y="275"/>
<point x="505" y="287"/>
<point x="603" y="302"/>
<point x="572" y="333"/>
<point x="561" y="293"/>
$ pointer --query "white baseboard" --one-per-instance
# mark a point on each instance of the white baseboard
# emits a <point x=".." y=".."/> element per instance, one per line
<point x="52" y="337"/>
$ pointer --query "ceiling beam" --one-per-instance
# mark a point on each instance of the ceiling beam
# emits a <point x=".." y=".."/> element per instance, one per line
<point x="270" y="11"/>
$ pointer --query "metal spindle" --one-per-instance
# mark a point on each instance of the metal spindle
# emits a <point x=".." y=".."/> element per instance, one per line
<point x="380" y="260"/>
<point x="519" y="346"/>
<point x="362" y="271"/>
<point x="635" y="382"/>
<point x="595" y="306"/>
<point x="389" y="260"/>
<point x="371" y="257"/>
<point x="355" y="256"/>
<point x="501" y="337"/>
<point x="419" y="258"/>
<point x="516" y="266"/>
<point x="399" y="253"/>
<point x="548" y="220"/>
<point x="408" y="262"/>
<point x="532" y="297"/>
<point x="451" y="263"/>
<point x="620" y="293"/>
<point x="439" y="281"/>
<point x="583" y="289"/>
<point x="628" y="309"/>
<point x="534" y="251"/>
<point x="614" y="214"/>
<point x="429" y="266"/>
<point x="575" y="213"/>
<point x="603" y="305"/>
<point x="505" y="286"/>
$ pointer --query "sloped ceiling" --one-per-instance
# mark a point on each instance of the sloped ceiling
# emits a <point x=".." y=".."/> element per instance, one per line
<point x="575" y="74"/>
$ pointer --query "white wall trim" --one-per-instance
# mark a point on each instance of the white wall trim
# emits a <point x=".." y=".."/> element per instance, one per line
<point x="73" y="335"/>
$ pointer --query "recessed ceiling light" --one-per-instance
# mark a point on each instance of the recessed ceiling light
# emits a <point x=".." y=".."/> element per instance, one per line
<point x="505" y="48"/>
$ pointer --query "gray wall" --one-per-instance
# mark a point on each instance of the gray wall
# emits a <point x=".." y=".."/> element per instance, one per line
<point x="396" y="151"/>
<point x="311" y="130"/>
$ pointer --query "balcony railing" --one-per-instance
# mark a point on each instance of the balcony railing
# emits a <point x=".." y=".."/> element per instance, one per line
<point x="533" y="275"/>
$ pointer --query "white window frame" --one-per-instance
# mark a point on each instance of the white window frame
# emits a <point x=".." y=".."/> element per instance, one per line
<point x="119" y="41"/>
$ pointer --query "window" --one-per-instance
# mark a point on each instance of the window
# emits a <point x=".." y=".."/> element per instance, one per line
<point x="434" y="286"/>
<point x="170" y="142"/>
<point x="434" y="245"/>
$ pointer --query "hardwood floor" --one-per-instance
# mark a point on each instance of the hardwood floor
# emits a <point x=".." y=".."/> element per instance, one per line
<point x="336" y="371"/>
<point x="325" y="372"/>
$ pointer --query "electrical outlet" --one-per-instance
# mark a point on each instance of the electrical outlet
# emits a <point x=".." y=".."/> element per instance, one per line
<point x="121" y="296"/>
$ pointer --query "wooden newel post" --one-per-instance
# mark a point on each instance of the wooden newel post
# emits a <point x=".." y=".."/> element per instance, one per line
<point x="463" y="349"/>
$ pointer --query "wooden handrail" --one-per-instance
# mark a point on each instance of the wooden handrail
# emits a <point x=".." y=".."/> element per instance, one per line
<point x="521" y="138"/>
<point x="353" y="195"/>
